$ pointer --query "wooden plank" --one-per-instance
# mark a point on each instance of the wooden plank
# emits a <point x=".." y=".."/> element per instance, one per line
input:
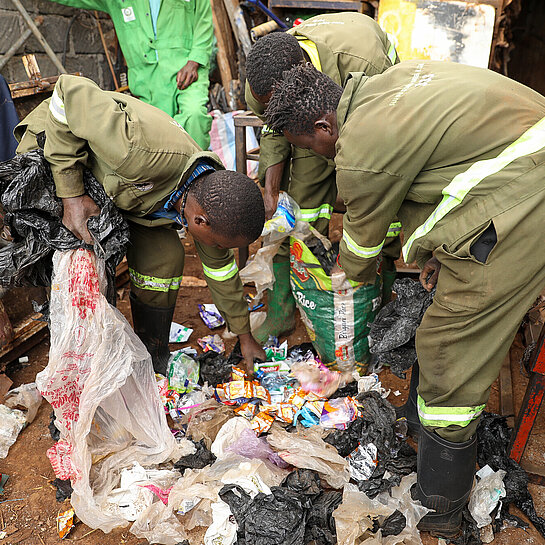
<point x="226" y="50"/>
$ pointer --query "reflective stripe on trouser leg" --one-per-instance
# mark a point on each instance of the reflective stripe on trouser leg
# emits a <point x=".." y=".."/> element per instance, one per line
<point x="442" y="417"/>
<point x="154" y="283"/>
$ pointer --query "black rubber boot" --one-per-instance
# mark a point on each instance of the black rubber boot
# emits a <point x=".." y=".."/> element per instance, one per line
<point x="410" y="409"/>
<point x="445" y="478"/>
<point x="152" y="325"/>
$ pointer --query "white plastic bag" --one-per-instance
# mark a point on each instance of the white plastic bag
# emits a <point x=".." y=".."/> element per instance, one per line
<point x="27" y="396"/>
<point x="486" y="494"/>
<point x="12" y="421"/>
<point x="101" y="385"/>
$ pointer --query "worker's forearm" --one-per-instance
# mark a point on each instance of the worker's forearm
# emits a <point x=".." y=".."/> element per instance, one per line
<point x="273" y="181"/>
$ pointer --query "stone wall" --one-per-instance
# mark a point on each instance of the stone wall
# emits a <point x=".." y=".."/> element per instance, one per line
<point x="84" y="51"/>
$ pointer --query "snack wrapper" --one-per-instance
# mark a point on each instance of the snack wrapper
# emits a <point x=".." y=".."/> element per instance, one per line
<point x="338" y="413"/>
<point x="212" y="342"/>
<point x="247" y="410"/>
<point x="262" y="422"/>
<point x="210" y="315"/>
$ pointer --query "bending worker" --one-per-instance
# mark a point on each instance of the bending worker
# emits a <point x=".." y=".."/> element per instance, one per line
<point x="458" y="154"/>
<point x="162" y="182"/>
<point x="327" y="41"/>
<point x="167" y="46"/>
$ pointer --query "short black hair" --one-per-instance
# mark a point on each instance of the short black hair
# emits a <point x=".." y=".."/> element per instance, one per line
<point x="269" y="58"/>
<point x="300" y="98"/>
<point x="233" y="203"/>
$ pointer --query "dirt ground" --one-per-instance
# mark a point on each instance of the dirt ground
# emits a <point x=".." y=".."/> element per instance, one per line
<point x="28" y="508"/>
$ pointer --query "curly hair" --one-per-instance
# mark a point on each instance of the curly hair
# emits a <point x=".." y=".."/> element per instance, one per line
<point x="232" y="202"/>
<point x="300" y="98"/>
<point x="269" y="58"/>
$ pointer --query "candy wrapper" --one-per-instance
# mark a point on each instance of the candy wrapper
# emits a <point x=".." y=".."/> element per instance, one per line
<point x="238" y="374"/>
<point x="275" y="351"/>
<point x="362" y="462"/>
<point x="65" y="522"/>
<point x="212" y="342"/>
<point x="251" y="305"/>
<point x="247" y="410"/>
<point x="260" y="368"/>
<point x="183" y="372"/>
<point x="262" y="422"/>
<point x="338" y="413"/>
<point x="244" y="390"/>
<point x="317" y="378"/>
<point x="179" y="333"/>
<point x="210" y="315"/>
<point x="307" y="416"/>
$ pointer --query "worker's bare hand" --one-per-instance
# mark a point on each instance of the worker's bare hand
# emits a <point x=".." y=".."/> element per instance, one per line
<point x="187" y="75"/>
<point x="271" y="202"/>
<point x="251" y="350"/>
<point x="431" y="269"/>
<point x="77" y="210"/>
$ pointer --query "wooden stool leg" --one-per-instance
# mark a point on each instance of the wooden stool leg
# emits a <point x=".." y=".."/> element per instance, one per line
<point x="240" y="157"/>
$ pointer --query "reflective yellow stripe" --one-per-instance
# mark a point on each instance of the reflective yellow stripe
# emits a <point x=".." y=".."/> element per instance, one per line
<point x="531" y="141"/>
<point x="312" y="214"/>
<point x="221" y="274"/>
<point x="265" y="130"/>
<point x="394" y="230"/>
<point x="361" y="251"/>
<point x="56" y="107"/>
<point x="442" y="417"/>
<point x="154" y="283"/>
<point x="311" y="50"/>
<point x="392" y="53"/>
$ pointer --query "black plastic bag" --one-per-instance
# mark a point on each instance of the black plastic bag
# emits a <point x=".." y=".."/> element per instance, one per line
<point x="33" y="214"/>
<point x="201" y="458"/>
<point x="391" y="337"/>
<point x="278" y="518"/>
<point x="321" y="528"/>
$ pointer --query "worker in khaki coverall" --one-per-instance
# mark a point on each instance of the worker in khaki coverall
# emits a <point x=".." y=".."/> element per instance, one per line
<point x="157" y="176"/>
<point x="328" y="42"/>
<point x="167" y="46"/>
<point x="458" y="154"/>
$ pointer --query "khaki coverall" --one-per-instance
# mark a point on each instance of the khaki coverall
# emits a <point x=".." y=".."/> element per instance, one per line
<point x="154" y="55"/>
<point x="337" y="44"/>
<point x="140" y="155"/>
<point x="453" y="151"/>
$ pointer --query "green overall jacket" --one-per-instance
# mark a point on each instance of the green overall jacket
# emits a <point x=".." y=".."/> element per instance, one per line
<point x="139" y="154"/>
<point x="337" y="44"/>
<point x="439" y="145"/>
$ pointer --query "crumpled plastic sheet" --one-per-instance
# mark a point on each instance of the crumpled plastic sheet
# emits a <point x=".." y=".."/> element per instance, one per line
<point x="197" y="460"/>
<point x="206" y="420"/>
<point x="326" y="256"/>
<point x="306" y="449"/>
<point x="251" y="446"/>
<point x="321" y="528"/>
<point x="192" y="497"/>
<point x="33" y="214"/>
<point x="360" y="519"/>
<point x="377" y="425"/>
<point x="494" y="436"/>
<point x="391" y="337"/>
<point x="27" y="396"/>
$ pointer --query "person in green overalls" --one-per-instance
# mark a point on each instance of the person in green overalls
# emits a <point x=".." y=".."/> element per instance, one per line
<point x="458" y="154"/>
<point x="327" y="41"/>
<point x="167" y="46"/>
<point x="165" y="186"/>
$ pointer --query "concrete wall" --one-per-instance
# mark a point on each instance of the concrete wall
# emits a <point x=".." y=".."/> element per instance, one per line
<point x="84" y="51"/>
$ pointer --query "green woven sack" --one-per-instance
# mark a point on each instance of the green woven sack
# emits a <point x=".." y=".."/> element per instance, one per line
<point x="337" y="315"/>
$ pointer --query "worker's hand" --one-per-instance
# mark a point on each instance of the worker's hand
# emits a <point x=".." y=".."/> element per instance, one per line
<point x="77" y="210"/>
<point x="432" y="267"/>
<point x="271" y="202"/>
<point x="187" y="75"/>
<point x="273" y="180"/>
<point x="251" y="350"/>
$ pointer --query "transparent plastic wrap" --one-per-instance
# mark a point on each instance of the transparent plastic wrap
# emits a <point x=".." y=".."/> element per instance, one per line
<point x="101" y="385"/>
<point x="26" y="396"/>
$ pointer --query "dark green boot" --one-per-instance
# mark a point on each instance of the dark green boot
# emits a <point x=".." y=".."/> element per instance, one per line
<point x="410" y="409"/>
<point x="444" y="480"/>
<point x="280" y="306"/>
<point x="388" y="278"/>
<point x="152" y="325"/>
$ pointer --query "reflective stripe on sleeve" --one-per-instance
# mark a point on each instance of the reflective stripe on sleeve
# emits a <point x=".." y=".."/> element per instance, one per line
<point x="312" y="214"/>
<point x="222" y="274"/>
<point x="394" y="229"/>
<point x="265" y="130"/>
<point x="154" y="283"/>
<point x="531" y="141"/>
<point x="441" y="417"/>
<point x="56" y="107"/>
<point x="361" y="251"/>
<point x="392" y="53"/>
